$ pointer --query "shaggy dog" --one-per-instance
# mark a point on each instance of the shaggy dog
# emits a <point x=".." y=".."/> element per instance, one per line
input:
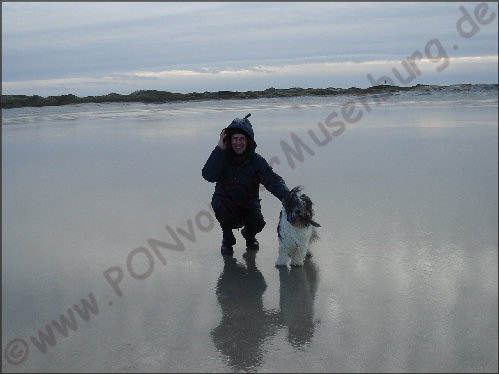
<point x="296" y="228"/>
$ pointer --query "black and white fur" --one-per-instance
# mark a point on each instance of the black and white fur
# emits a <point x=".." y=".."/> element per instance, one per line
<point x="296" y="229"/>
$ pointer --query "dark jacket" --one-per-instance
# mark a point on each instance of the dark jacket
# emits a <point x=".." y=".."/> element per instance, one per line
<point x="238" y="181"/>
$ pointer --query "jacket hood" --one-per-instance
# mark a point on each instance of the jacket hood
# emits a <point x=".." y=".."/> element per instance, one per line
<point x="243" y="125"/>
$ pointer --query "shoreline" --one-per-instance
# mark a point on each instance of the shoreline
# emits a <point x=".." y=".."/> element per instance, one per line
<point x="161" y="97"/>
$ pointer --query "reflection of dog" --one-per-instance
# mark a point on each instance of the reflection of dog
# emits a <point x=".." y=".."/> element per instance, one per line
<point x="297" y="294"/>
<point x="296" y="229"/>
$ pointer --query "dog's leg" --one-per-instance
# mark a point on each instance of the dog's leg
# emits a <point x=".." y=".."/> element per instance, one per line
<point x="283" y="257"/>
<point x="313" y="238"/>
<point x="298" y="257"/>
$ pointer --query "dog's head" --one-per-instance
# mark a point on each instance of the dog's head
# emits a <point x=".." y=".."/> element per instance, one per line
<point x="298" y="207"/>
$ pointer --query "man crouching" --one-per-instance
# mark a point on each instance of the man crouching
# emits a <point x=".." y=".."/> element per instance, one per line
<point x="238" y="171"/>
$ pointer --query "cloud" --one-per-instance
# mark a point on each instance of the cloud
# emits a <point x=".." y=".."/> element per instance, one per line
<point x="260" y="77"/>
<point x="171" y="42"/>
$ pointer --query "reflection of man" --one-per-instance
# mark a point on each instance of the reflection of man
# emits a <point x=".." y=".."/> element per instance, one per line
<point x="245" y="324"/>
<point x="297" y="293"/>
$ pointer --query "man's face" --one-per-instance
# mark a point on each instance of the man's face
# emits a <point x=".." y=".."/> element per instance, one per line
<point x="239" y="143"/>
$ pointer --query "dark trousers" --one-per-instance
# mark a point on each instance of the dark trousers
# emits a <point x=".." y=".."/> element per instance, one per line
<point x="251" y="219"/>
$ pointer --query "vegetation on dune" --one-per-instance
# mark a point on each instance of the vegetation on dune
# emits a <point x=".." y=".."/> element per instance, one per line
<point x="157" y="97"/>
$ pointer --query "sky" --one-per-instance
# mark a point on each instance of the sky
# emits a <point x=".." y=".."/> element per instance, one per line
<point x="96" y="48"/>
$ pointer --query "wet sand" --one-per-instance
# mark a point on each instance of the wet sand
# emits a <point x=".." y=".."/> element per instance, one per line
<point x="107" y="204"/>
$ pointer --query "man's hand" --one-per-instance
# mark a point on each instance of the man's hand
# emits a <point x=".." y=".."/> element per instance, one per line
<point x="221" y="141"/>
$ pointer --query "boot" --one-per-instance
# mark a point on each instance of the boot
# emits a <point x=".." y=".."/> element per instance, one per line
<point x="251" y="242"/>
<point x="226" y="249"/>
<point x="227" y="242"/>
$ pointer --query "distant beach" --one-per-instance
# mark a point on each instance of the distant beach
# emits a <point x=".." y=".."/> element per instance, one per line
<point x="161" y="97"/>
